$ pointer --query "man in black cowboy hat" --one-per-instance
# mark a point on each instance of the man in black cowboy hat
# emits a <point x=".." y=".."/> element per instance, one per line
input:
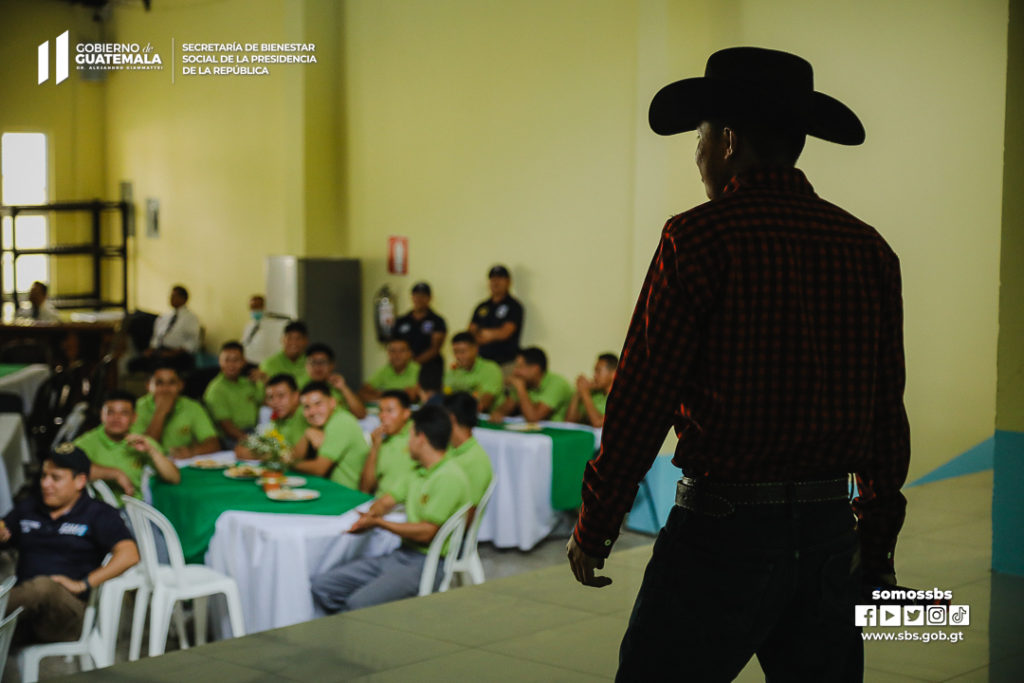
<point x="769" y="335"/>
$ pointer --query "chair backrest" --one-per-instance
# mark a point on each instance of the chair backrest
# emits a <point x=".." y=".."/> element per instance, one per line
<point x="10" y="403"/>
<point x="7" y="627"/>
<point x="451" y="532"/>
<point x="142" y="516"/>
<point x="469" y="545"/>
<point x="72" y="424"/>
<point x="102" y="490"/>
<point x="5" y="592"/>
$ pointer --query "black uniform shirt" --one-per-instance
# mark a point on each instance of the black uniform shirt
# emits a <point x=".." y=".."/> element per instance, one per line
<point x="419" y="332"/>
<point x="489" y="315"/>
<point x="72" y="545"/>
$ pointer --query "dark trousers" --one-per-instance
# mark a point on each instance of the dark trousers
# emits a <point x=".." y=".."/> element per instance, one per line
<point x="52" y="614"/>
<point x="776" y="581"/>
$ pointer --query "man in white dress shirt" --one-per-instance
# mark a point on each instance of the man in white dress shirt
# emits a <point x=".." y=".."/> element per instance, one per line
<point x="39" y="309"/>
<point x="262" y="335"/>
<point x="176" y="333"/>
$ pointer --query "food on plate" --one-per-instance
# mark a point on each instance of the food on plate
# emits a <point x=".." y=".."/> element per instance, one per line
<point x="208" y="464"/>
<point x="293" y="494"/>
<point x="243" y="472"/>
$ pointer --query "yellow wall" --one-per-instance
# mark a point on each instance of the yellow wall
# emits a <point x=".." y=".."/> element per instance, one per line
<point x="70" y="114"/>
<point x="517" y="132"/>
<point x="491" y="131"/>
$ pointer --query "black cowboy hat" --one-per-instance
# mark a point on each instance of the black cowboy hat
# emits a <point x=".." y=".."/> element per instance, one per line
<point x="754" y="85"/>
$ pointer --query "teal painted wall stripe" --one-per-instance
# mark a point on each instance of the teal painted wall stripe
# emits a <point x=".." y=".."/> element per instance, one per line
<point x="976" y="459"/>
<point x="1008" y="503"/>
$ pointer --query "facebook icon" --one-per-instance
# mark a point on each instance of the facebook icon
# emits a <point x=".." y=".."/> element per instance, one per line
<point x="865" y="615"/>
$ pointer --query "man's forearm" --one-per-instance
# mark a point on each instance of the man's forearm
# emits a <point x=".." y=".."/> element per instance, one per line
<point x="155" y="428"/>
<point x="417" y="532"/>
<point x="124" y="556"/>
<point x="208" y="445"/>
<point x="231" y="430"/>
<point x="594" y="416"/>
<point x="368" y="477"/>
<point x="352" y="401"/>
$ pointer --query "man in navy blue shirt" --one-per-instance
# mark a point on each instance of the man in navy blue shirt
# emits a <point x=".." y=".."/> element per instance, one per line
<point x="62" y="537"/>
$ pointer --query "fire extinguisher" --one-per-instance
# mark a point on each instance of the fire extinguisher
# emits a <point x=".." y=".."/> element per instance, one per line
<point x="384" y="313"/>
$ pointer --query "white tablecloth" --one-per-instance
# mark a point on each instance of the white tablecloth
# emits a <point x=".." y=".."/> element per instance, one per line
<point x="25" y="383"/>
<point x="273" y="557"/>
<point x="16" y="454"/>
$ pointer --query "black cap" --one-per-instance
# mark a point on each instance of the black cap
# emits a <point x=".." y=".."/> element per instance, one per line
<point x="498" y="271"/>
<point x="421" y="288"/>
<point x="70" y="457"/>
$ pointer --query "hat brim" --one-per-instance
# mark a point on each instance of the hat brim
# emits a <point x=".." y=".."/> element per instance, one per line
<point x="683" y="105"/>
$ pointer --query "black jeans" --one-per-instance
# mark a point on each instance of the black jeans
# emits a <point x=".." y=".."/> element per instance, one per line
<point x="779" y="581"/>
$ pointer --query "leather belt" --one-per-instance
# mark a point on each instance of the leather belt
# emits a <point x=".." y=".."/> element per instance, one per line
<point x="719" y="499"/>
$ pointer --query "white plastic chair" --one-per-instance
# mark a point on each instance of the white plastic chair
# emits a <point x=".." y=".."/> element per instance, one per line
<point x="170" y="584"/>
<point x="72" y="424"/>
<point x="101" y="490"/>
<point x="90" y="647"/>
<point x="468" y="562"/>
<point x="5" y="590"/>
<point x="7" y="627"/>
<point x="454" y="529"/>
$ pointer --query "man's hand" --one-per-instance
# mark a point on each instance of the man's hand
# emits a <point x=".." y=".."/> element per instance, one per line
<point x="5" y="533"/>
<point x="164" y="402"/>
<point x="377" y="436"/>
<point x="337" y="381"/>
<point x="243" y="453"/>
<point x="583" y="565"/>
<point x="74" y="587"/>
<point x="180" y="452"/>
<point x="583" y="385"/>
<point x="257" y="375"/>
<point x="315" y="436"/>
<point x="125" y="483"/>
<point x="365" y="522"/>
<point x="140" y="443"/>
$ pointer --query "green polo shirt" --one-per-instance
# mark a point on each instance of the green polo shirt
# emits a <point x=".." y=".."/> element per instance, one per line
<point x="484" y="377"/>
<point x="278" y="363"/>
<point x="345" y="446"/>
<point x="435" y="494"/>
<point x="105" y="452"/>
<point x="187" y="424"/>
<point x="238" y="401"/>
<point x="395" y="465"/>
<point x="600" y="400"/>
<point x="386" y="379"/>
<point x="473" y="460"/>
<point x="292" y="428"/>
<point x="554" y="392"/>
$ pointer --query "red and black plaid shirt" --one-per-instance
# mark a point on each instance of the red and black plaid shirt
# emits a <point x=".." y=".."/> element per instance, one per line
<point x="769" y="332"/>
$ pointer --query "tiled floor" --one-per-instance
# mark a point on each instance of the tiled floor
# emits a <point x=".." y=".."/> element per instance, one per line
<point x="541" y="626"/>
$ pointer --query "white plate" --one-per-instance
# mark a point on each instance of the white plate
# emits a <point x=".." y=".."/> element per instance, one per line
<point x="291" y="482"/>
<point x="293" y="494"/>
<point x="243" y="472"/>
<point x="524" y="427"/>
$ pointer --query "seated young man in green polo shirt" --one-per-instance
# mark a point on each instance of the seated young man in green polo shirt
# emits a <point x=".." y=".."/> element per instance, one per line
<point x="400" y="373"/>
<point x="333" y="446"/>
<point x="180" y="425"/>
<point x="388" y="466"/>
<point x="481" y="377"/>
<point x="118" y="456"/>
<point x="233" y="400"/>
<point x="465" y="450"/>
<point x="320" y="368"/>
<point x="437" y="489"/>
<point x="291" y="359"/>
<point x="532" y="391"/>
<point x="588" y="401"/>
<point x="282" y="396"/>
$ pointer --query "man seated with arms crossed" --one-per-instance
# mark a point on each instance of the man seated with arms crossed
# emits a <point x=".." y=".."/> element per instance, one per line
<point x="587" y="403"/>
<point x="118" y="456"/>
<point x="179" y="424"/>
<point x="401" y="372"/>
<point x="533" y="392"/>
<point x="233" y="400"/>
<point x="388" y="467"/>
<point x="291" y="359"/>
<point x="481" y="377"/>
<point x="320" y="368"/>
<point x="465" y="451"/>
<point x="437" y="489"/>
<point x="333" y="446"/>
<point x="62" y="536"/>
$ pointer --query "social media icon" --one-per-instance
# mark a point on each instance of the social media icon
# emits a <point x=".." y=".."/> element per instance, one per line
<point x="936" y="615"/>
<point x="913" y="615"/>
<point x="865" y="615"/>
<point x="959" y="615"/>
<point x="890" y="615"/>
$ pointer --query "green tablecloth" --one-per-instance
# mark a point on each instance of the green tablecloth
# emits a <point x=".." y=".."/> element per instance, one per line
<point x="194" y="505"/>
<point x="9" y="368"/>
<point x="570" y="451"/>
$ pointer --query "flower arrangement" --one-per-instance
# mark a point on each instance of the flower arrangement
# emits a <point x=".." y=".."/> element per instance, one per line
<point x="270" y="447"/>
